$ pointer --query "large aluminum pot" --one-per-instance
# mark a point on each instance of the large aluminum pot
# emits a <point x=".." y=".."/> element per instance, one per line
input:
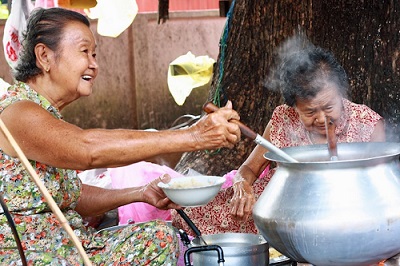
<point x="344" y="212"/>
<point x="238" y="249"/>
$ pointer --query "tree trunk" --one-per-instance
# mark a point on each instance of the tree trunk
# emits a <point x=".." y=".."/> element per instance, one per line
<point x="363" y="35"/>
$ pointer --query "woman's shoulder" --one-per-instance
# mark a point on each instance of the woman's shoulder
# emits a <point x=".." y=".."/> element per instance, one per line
<point x="21" y="91"/>
<point x="361" y="111"/>
<point x="16" y="91"/>
<point x="286" y="128"/>
<point x="286" y="113"/>
<point x="12" y="94"/>
<point x="360" y="124"/>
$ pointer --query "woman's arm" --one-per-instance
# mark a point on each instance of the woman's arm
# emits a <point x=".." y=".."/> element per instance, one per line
<point x="379" y="135"/>
<point x="109" y="199"/>
<point x="243" y="198"/>
<point x="58" y="143"/>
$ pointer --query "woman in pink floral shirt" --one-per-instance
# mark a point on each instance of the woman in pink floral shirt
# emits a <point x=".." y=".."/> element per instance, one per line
<point x="314" y="86"/>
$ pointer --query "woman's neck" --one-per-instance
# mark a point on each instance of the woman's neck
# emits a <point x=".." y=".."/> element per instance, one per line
<point x="50" y="94"/>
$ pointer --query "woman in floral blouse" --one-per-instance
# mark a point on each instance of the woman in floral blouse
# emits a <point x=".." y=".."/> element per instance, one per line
<point x="314" y="85"/>
<point x="57" y="66"/>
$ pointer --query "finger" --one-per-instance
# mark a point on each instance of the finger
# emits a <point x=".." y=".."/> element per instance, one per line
<point x="238" y="215"/>
<point x="236" y="205"/>
<point x="165" y="178"/>
<point x="233" y="208"/>
<point x="228" y="104"/>
<point x="240" y="210"/>
<point x="228" y="114"/>
<point x="173" y="205"/>
<point x="233" y="128"/>
<point x="228" y="145"/>
<point x="233" y="138"/>
<point x="248" y="209"/>
<point x="166" y="203"/>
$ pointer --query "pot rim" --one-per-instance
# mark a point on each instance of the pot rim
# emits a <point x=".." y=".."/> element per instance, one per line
<point x="383" y="151"/>
<point x="252" y="247"/>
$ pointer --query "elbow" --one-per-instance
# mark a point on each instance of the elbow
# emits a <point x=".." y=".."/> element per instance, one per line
<point x="90" y="159"/>
<point x="87" y="156"/>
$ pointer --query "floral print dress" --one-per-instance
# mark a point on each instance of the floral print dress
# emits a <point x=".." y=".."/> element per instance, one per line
<point x="356" y="124"/>
<point x="43" y="239"/>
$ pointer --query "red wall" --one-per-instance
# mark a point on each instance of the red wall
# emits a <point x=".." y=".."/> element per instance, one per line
<point x="178" y="5"/>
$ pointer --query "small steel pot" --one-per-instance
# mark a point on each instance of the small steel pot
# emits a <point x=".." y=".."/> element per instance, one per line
<point x="238" y="249"/>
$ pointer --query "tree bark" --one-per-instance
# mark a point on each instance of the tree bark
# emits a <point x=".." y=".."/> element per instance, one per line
<point x="363" y="35"/>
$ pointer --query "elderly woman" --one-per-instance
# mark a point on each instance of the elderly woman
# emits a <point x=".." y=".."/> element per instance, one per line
<point x="314" y="86"/>
<point x="57" y="66"/>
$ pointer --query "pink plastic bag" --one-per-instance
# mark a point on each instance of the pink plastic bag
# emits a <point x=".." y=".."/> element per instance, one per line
<point x="134" y="175"/>
<point x="139" y="174"/>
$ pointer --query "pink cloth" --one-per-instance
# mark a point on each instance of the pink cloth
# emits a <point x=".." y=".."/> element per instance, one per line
<point x="139" y="174"/>
<point x="229" y="179"/>
<point x="134" y="175"/>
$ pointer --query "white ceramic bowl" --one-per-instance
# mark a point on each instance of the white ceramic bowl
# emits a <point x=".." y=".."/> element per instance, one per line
<point x="192" y="191"/>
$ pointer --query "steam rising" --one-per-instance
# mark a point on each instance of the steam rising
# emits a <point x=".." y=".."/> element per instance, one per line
<point x="294" y="48"/>
<point x="293" y="56"/>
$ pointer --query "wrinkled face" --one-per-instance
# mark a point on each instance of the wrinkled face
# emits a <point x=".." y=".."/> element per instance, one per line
<point x="75" y="67"/>
<point x="328" y="102"/>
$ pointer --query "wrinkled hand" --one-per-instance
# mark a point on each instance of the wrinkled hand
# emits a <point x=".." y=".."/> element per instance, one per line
<point x="154" y="195"/>
<point x="215" y="130"/>
<point x="242" y="201"/>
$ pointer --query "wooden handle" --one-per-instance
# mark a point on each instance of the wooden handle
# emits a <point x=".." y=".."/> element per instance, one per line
<point x="49" y="199"/>
<point x="210" y="108"/>
<point x="331" y="136"/>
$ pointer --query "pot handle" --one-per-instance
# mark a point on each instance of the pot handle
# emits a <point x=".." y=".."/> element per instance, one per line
<point x="189" y="222"/>
<point x="184" y="237"/>
<point x="217" y="248"/>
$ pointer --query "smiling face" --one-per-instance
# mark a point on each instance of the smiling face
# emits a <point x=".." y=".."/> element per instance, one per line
<point x="74" y="67"/>
<point x="312" y="112"/>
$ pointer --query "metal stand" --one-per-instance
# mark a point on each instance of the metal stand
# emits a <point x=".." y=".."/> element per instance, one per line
<point x="13" y="229"/>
